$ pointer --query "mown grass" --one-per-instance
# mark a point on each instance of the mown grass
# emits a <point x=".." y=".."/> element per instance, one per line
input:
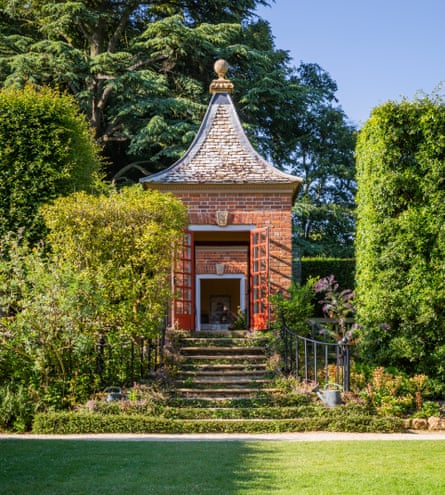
<point x="68" y="467"/>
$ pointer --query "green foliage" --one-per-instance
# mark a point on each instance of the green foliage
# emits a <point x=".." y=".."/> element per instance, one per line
<point x="428" y="410"/>
<point x="72" y="422"/>
<point x="323" y="156"/>
<point x="343" y="270"/>
<point x="47" y="339"/>
<point x="124" y="243"/>
<point x="16" y="409"/>
<point x="297" y="308"/>
<point x="107" y="275"/>
<point x="139" y="70"/>
<point x="46" y="150"/>
<point x="401" y="237"/>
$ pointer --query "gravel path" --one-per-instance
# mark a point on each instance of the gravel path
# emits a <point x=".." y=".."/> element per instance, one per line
<point x="288" y="437"/>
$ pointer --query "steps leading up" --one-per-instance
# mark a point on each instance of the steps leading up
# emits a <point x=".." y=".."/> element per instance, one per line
<point x="222" y="367"/>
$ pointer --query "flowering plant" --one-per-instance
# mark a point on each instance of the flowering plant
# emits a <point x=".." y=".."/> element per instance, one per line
<point x="336" y="304"/>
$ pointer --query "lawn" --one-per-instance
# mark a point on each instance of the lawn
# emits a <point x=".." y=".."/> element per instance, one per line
<point x="67" y="467"/>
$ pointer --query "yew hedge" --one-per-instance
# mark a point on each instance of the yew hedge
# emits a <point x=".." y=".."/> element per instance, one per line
<point x="400" y="246"/>
<point x="46" y="150"/>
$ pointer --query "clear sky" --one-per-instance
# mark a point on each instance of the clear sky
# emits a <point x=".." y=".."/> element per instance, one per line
<point x="376" y="50"/>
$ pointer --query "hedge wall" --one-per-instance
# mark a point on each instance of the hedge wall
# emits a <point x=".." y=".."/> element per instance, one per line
<point x="400" y="241"/>
<point x="342" y="269"/>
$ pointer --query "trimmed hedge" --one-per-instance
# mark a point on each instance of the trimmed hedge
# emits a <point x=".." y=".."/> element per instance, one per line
<point x="228" y="412"/>
<point x="78" y="423"/>
<point x="342" y="268"/>
<point x="46" y="150"/>
<point x="400" y="241"/>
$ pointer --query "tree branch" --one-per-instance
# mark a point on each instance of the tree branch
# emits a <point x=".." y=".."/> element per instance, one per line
<point x="113" y="41"/>
<point x="102" y="101"/>
<point x="148" y="61"/>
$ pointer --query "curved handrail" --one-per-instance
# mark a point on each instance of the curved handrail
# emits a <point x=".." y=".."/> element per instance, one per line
<point x="309" y="359"/>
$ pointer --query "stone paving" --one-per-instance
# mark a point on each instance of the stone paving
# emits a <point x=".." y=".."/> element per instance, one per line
<point x="286" y="437"/>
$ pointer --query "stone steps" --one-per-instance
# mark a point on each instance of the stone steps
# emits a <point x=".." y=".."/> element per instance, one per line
<point x="223" y="375"/>
<point x="223" y="393"/>
<point x="226" y="367"/>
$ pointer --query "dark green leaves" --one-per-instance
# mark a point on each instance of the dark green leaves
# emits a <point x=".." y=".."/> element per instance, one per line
<point x="400" y="235"/>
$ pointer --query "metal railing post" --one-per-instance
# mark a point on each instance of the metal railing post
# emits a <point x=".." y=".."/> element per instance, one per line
<point x="311" y="356"/>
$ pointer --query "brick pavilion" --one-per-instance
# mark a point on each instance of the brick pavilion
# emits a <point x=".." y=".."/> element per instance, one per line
<point x="238" y="247"/>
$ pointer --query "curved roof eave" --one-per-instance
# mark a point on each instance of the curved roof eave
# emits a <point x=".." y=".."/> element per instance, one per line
<point x="247" y="166"/>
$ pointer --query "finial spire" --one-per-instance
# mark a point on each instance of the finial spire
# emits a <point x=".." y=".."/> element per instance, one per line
<point x="221" y="85"/>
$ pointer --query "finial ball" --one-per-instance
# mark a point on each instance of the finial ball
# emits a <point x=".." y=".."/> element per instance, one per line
<point x="221" y="67"/>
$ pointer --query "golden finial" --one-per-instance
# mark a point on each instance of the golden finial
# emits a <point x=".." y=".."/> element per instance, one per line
<point x="221" y="67"/>
<point x="221" y="85"/>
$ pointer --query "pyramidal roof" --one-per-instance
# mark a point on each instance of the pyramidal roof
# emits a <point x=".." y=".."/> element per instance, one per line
<point x="221" y="152"/>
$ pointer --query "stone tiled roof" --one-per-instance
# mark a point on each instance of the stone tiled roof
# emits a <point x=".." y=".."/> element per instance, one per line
<point x="221" y="154"/>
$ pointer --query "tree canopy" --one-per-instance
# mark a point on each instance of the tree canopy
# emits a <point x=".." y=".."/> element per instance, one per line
<point x="323" y="155"/>
<point x="141" y="70"/>
<point x="401" y="236"/>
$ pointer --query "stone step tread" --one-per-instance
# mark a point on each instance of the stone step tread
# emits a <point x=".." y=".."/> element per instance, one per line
<point x="227" y="386"/>
<point x="221" y="348"/>
<point x="237" y="357"/>
<point x="217" y="334"/>
<point x="223" y="372"/>
<point x="224" y="368"/>
<point x="222" y="340"/>
<point x="226" y="380"/>
<point x="225" y="390"/>
<point x="216" y="400"/>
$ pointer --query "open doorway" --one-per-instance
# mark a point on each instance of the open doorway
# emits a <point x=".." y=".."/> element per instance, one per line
<point x="218" y="301"/>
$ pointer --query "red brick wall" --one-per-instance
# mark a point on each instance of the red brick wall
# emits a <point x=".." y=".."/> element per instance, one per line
<point x="261" y="209"/>
<point x="235" y="260"/>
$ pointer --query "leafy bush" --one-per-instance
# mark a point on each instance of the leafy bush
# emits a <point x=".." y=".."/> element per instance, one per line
<point x="65" y="422"/>
<point x="16" y="409"/>
<point x="428" y="409"/>
<point x="46" y="150"/>
<point x="400" y="245"/>
<point x="296" y="308"/>
<point x="343" y="270"/>
<point x="392" y="393"/>
<point x="104" y="281"/>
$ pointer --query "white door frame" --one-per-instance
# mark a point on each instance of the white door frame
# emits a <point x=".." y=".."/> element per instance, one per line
<point x="242" y="288"/>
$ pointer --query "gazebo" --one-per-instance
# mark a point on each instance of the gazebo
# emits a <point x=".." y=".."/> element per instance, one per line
<point x="237" y="250"/>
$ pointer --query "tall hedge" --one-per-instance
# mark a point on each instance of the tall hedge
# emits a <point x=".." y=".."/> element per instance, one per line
<point x="343" y="270"/>
<point x="46" y="150"/>
<point x="400" y="246"/>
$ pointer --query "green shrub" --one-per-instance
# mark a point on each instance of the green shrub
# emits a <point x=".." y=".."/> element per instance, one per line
<point x="400" y="243"/>
<point x="296" y="308"/>
<point x="427" y="410"/>
<point x="75" y="423"/>
<point x="46" y="150"/>
<point x="343" y="270"/>
<point x="16" y="409"/>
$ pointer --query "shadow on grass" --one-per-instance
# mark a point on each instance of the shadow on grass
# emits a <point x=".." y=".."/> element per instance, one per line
<point x="68" y="467"/>
<point x="52" y="467"/>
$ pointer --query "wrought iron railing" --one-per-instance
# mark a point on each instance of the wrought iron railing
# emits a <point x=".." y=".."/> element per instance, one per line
<point x="314" y="361"/>
<point x="129" y="360"/>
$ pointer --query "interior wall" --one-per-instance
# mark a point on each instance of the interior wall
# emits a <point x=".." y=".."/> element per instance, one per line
<point x="220" y="299"/>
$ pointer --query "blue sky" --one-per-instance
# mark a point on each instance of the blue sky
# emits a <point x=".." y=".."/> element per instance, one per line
<point x="376" y="50"/>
